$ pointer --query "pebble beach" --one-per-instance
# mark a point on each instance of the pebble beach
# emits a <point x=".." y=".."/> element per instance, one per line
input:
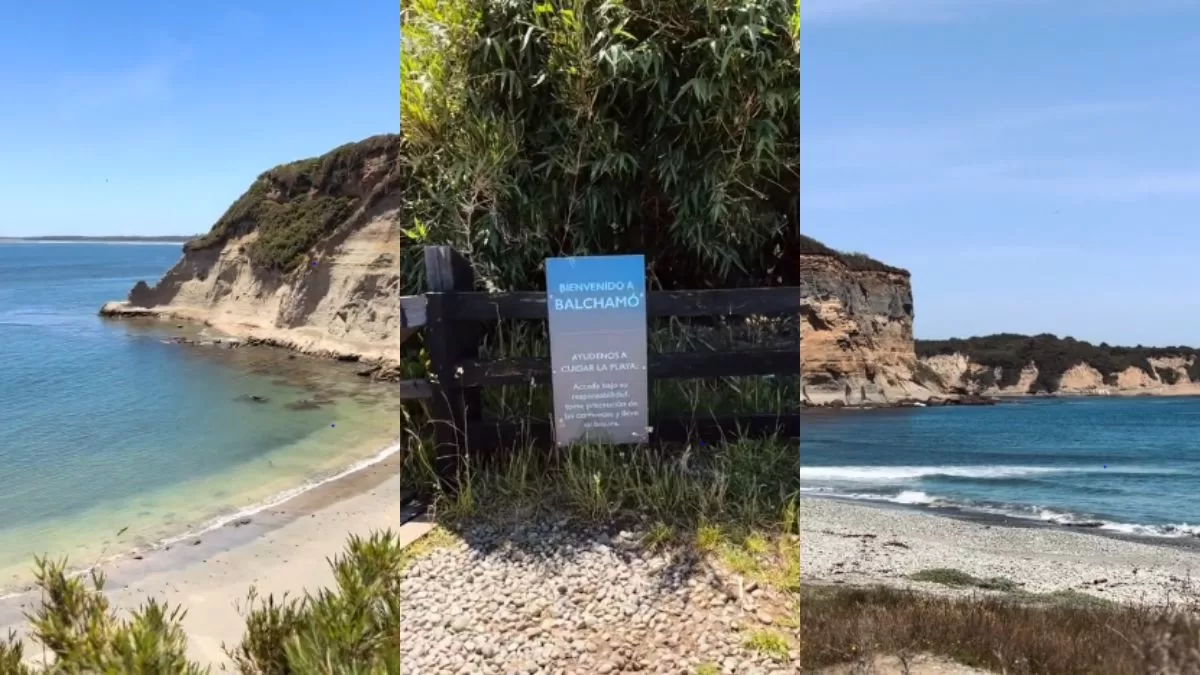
<point x="557" y="598"/>
<point x="852" y="544"/>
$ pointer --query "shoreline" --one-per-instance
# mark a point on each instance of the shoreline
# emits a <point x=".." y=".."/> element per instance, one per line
<point x="862" y="543"/>
<point x="239" y="519"/>
<point x="952" y="401"/>
<point x="105" y="242"/>
<point x="1186" y="542"/>
<point x="225" y="559"/>
<point x="380" y="363"/>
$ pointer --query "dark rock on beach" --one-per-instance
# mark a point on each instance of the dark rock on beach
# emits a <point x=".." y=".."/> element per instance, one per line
<point x="305" y="404"/>
<point x="253" y="398"/>
<point x="932" y="402"/>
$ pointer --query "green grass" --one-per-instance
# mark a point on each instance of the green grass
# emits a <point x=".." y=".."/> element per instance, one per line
<point x="434" y="540"/>
<point x="959" y="579"/>
<point x="768" y="642"/>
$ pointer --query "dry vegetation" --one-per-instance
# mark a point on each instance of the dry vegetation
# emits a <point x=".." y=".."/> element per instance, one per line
<point x="1014" y="635"/>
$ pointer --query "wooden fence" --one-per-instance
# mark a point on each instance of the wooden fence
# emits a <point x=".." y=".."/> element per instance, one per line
<point x="453" y="314"/>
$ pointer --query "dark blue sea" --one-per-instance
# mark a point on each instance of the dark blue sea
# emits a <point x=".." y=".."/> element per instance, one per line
<point x="1121" y="465"/>
<point x="107" y="427"/>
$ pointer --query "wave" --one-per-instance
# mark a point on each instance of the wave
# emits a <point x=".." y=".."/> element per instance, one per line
<point x="871" y="474"/>
<point x="1066" y="519"/>
<point x="913" y="497"/>
<point x="886" y="474"/>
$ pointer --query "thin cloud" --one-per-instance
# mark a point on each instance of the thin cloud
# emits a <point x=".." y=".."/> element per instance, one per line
<point x="903" y="147"/>
<point x="940" y="11"/>
<point x="145" y="82"/>
<point x="903" y="11"/>
<point x="868" y="167"/>
<point x="1060" y="180"/>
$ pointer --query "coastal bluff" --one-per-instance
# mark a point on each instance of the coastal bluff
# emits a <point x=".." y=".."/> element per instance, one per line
<point x="856" y="331"/>
<point x="306" y="259"/>
<point x="1010" y="364"/>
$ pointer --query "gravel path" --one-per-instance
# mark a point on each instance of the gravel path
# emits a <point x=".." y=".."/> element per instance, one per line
<point x="546" y="598"/>
<point x="849" y="543"/>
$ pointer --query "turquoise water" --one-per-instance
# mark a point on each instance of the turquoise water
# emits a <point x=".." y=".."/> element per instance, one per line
<point x="106" y="425"/>
<point x="1128" y="465"/>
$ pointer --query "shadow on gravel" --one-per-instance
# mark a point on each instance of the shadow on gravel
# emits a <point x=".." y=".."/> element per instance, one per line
<point x="638" y="559"/>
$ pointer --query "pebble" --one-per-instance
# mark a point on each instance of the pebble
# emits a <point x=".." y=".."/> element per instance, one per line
<point x="540" y="598"/>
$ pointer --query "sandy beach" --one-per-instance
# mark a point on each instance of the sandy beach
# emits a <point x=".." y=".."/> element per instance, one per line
<point x="853" y="544"/>
<point x="282" y="549"/>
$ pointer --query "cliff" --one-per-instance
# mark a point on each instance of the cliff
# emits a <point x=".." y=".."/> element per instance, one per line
<point x="856" y="331"/>
<point x="305" y="259"/>
<point x="1009" y="364"/>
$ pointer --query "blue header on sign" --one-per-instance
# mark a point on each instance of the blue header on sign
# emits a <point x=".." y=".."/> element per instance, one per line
<point x="596" y="283"/>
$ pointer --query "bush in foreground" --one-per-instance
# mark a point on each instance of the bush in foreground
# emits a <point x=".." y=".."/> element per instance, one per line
<point x="539" y="129"/>
<point x="351" y="629"/>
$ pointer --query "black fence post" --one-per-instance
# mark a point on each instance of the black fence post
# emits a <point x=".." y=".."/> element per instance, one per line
<point x="455" y="407"/>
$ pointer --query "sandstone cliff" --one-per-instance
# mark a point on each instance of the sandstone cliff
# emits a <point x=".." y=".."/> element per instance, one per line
<point x="856" y="332"/>
<point x="1017" y="365"/>
<point x="305" y="259"/>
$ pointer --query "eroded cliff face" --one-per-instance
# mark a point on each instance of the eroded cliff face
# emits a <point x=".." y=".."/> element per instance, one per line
<point x="1169" y="377"/>
<point x="856" y="335"/>
<point x="341" y="300"/>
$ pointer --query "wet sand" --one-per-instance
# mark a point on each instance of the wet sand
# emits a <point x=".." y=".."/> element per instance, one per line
<point x="282" y="549"/>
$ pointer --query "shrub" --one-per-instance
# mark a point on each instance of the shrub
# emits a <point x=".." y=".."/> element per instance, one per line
<point x="540" y="129"/>
<point x="1052" y="355"/>
<point x="356" y="624"/>
<point x="1167" y="375"/>
<point x="296" y="205"/>
<point x="83" y="633"/>
<point x="855" y="261"/>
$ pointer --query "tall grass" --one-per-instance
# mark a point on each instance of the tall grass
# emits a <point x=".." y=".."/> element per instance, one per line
<point x="1004" y="635"/>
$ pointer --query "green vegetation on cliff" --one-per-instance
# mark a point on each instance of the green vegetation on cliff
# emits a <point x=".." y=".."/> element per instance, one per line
<point x="855" y="261"/>
<point x="540" y="129"/>
<point x="295" y="205"/>
<point x="1054" y="356"/>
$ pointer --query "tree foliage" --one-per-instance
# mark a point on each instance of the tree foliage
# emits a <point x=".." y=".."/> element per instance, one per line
<point x="538" y="129"/>
<point x="1053" y="356"/>
<point x="294" y="206"/>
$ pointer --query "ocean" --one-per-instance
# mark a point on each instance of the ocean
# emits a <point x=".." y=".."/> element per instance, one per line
<point x="114" y="438"/>
<point x="1119" y="465"/>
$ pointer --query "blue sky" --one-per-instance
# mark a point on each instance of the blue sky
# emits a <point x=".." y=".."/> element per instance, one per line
<point x="1034" y="163"/>
<point x="152" y="117"/>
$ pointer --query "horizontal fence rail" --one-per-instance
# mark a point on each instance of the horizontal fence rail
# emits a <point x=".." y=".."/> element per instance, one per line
<point x="662" y="366"/>
<point x="453" y="314"/>
<point x="474" y="306"/>
<point x="412" y="311"/>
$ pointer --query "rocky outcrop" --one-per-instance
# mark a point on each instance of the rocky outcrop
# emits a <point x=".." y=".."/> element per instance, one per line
<point x="307" y="260"/>
<point x="856" y="334"/>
